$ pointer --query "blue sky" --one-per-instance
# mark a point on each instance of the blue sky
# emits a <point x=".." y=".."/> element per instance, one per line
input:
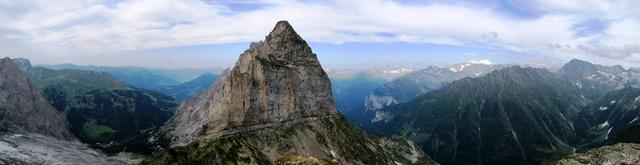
<point x="345" y="34"/>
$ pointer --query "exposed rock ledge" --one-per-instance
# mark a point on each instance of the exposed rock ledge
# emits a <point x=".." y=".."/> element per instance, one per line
<point x="38" y="149"/>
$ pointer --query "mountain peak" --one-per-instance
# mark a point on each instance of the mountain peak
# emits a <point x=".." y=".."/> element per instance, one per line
<point x="284" y="44"/>
<point x="274" y="81"/>
<point x="282" y="29"/>
<point x="578" y="61"/>
<point x="578" y="68"/>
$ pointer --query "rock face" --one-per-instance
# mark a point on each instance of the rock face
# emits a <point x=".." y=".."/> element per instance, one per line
<point x="274" y="81"/>
<point x="621" y="153"/>
<point x="274" y="105"/>
<point x="38" y="149"/>
<point x="24" y="110"/>
<point x="31" y="130"/>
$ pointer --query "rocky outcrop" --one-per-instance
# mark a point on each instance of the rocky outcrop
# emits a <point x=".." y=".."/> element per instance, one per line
<point x="275" y="104"/>
<point x="38" y="149"/>
<point x="24" y="110"/>
<point x="621" y="153"/>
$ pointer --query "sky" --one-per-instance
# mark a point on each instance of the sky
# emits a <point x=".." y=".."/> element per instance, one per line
<point x="345" y="34"/>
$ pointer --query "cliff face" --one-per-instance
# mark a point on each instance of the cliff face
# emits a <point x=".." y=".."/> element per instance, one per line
<point x="31" y="130"/>
<point x="24" y="110"/>
<point x="274" y="106"/>
<point x="278" y="80"/>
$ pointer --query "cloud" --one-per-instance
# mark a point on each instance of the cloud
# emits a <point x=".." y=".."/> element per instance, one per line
<point x="471" y="54"/>
<point x="485" y="62"/>
<point x="562" y="29"/>
<point x="622" y="52"/>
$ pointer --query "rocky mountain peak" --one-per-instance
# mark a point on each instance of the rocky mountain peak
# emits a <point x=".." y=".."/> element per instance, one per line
<point x="274" y="105"/>
<point x="284" y="45"/>
<point x="274" y="81"/>
<point x="23" y="109"/>
<point x="578" y="68"/>
<point x="282" y="30"/>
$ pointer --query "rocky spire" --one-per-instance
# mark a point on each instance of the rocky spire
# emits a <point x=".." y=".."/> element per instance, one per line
<point x="24" y="110"/>
<point x="276" y="81"/>
<point x="283" y="32"/>
<point x="283" y="44"/>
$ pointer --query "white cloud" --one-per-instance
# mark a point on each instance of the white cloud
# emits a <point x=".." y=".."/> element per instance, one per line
<point x="95" y="27"/>
<point x="485" y="62"/>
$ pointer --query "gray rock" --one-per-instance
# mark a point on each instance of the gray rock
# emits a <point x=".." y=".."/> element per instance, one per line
<point x="277" y="80"/>
<point x="38" y="149"/>
<point x="23" y="109"/>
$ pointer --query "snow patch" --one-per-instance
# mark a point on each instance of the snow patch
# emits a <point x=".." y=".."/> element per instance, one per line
<point x="634" y="120"/>
<point x="604" y="108"/>
<point x="608" y="132"/>
<point x="605" y="124"/>
<point x="333" y="154"/>
<point x="612" y="102"/>
<point x="460" y="67"/>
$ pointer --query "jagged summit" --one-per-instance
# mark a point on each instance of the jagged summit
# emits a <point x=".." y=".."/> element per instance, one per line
<point x="284" y="45"/>
<point x="274" y="81"/>
<point x="283" y="32"/>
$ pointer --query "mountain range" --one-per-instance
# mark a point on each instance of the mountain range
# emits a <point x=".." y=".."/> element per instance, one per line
<point x="363" y="109"/>
<point x="102" y="110"/>
<point x="190" y="88"/>
<point x="140" y="77"/>
<point x="516" y="114"/>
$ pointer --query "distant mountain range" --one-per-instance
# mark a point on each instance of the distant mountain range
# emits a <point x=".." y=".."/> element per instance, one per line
<point x="373" y="96"/>
<point x="188" y="89"/>
<point x="147" y="78"/>
<point x="350" y="87"/>
<point x="517" y="114"/>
